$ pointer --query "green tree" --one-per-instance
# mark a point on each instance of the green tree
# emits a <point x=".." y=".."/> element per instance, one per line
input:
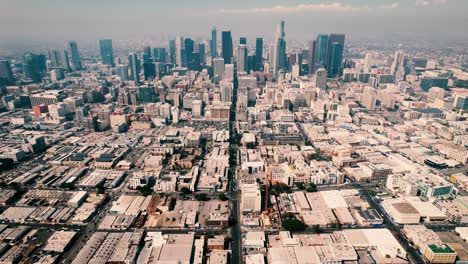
<point x="223" y="197"/>
<point x="201" y="197"/>
<point x="185" y="190"/>
<point x="312" y="187"/>
<point x="300" y="185"/>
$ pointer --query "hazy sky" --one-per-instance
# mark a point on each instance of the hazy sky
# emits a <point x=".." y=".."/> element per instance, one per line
<point x="57" y="20"/>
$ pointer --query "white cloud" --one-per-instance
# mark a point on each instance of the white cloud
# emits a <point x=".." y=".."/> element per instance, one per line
<point x="326" y="7"/>
<point x="430" y="2"/>
<point x="394" y="5"/>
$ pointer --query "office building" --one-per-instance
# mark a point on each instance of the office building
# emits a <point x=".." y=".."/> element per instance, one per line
<point x="227" y="49"/>
<point x="218" y="68"/>
<point x="180" y="55"/>
<point x="172" y="51"/>
<point x="6" y="74"/>
<point x="34" y="66"/>
<point x="75" y="56"/>
<point x="258" y="54"/>
<point x="242" y="58"/>
<point x="107" y="52"/>
<point x="134" y="66"/>
<point x="214" y="44"/>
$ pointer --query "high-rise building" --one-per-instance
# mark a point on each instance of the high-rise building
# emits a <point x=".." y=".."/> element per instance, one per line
<point x="181" y="59"/>
<point x="397" y="60"/>
<point x="243" y="40"/>
<point x="202" y="53"/>
<point x="279" y="50"/>
<point x="218" y="67"/>
<point x="6" y="74"/>
<point x="55" y="58"/>
<point x="369" y="98"/>
<point x="258" y="54"/>
<point x="149" y="70"/>
<point x="226" y="88"/>
<point x="335" y="54"/>
<point x="311" y="54"/>
<point x="134" y="66"/>
<point x="320" y="78"/>
<point x="321" y="51"/>
<point x="227" y="46"/>
<point x="367" y="61"/>
<point x="107" y="52"/>
<point x="66" y="61"/>
<point x="172" y="51"/>
<point x="214" y="44"/>
<point x="34" y="66"/>
<point x="159" y="54"/>
<point x="327" y="52"/>
<point x="189" y="46"/>
<point x="75" y="56"/>
<point x="242" y="58"/>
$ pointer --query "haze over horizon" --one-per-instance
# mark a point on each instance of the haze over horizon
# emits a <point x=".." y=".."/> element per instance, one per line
<point x="53" y="20"/>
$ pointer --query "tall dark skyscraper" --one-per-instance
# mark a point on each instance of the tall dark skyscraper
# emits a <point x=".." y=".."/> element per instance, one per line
<point x="202" y="53"/>
<point x="172" y="50"/>
<point x="159" y="55"/>
<point x="107" y="52"/>
<point x="189" y="47"/>
<point x="75" y="56"/>
<point x="279" y="52"/>
<point x="55" y="58"/>
<point x="34" y="66"/>
<point x="335" y="54"/>
<point x="258" y="54"/>
<point x="321" y="49"/>
<point x="243" y="40"/>
<point x="328" y="53"/>
<point x="134" y="66"/>
<point x="147" y="50"/>
<point x="66" y="61"/>
<point x="6" y="74"/>
<point x="311" y="56"/>
<point x="214" y="43"/>
<point x="149" y="70"/>
<point x="227" y="46"/>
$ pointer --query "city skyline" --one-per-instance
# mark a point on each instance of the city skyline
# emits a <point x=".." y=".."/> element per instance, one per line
<point x="64" y="20"/>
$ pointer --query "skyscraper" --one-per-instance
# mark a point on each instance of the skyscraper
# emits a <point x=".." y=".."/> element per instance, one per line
<point x="181" y="59"/>
<point x="6" y="74"/>
<point x="321" y="46"/>
<point x="55" y="58"/>
<point x="214" y="43"/>
<point x="243" y="40"/>
<point x="107" y="52"/>
<point x="279" y="50"/>
<point x="159" y="54"/>
<point x="34" y="66"/>
<point x="227" y="46"/>
<point x="75" y="56"/>
<point x="218" y="67"/>
<point x="66" y="61"/>
<point x="242" y="58"/>
<point x="258" y="54"/>
<point x="172" y="51"/>
<point x="202" y="53"/>
<point x="189" y="47"/>
<point x="397" y="62"/>
<point x="369" y="98"/>
<point x="311" y="59"/>
<point x="134" y="66"/>
<point x="335" y="54"/>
